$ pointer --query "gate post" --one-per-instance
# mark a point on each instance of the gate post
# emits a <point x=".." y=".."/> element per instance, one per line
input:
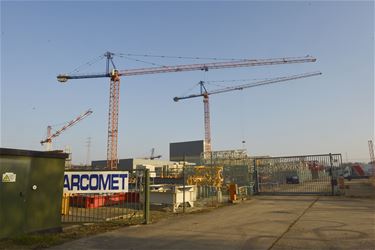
<point x="333" y="180"/>
<point x="183" y="187"/>
<point x="146" y="190"/>
<point x="256" y="184"/>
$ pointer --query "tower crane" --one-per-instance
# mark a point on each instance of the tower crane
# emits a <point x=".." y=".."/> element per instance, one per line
<point x="153" y="156"/>
<point x="50" y="136"/>
<point x="204" y="93"/>
<point x="114" y="75"/>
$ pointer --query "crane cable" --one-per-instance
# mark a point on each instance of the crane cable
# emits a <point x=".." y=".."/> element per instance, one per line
<point x="181" y="57"/>
<point x="189" y="90"/>
<point x="142" y="61"/>
<point x="89" y="63"/>
<point x="130" y="56"/>
<point x="214" y="83"/>
<point x="240" y="80"/>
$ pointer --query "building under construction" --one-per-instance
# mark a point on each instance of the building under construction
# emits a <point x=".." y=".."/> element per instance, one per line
<point x="189" y="151"/>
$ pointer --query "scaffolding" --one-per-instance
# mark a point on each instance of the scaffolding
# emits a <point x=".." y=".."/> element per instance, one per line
<point x="225" y="157"/>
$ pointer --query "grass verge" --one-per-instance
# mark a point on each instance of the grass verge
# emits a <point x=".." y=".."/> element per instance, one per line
<point x="75" y="231"/>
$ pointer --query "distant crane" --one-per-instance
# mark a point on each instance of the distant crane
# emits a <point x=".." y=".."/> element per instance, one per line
<point x="114" y="75"/>
<point x="153" y="156"/>
<point x="205" y="94"/>
<point x="50" y="136"/>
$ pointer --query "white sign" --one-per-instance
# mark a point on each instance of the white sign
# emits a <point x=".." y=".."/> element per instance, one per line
<point x="9" y="177"/>
<point x="96" y="182"/>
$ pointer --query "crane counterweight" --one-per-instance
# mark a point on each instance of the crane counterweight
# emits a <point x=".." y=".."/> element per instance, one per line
<point x="62" y="78"/>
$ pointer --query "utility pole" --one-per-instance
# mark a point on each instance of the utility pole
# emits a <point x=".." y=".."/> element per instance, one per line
<point x="88" y="145"/>
<point x="372" y="156"/>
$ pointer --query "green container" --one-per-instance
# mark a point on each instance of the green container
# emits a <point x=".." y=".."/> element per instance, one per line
<point x="30" y="191"/>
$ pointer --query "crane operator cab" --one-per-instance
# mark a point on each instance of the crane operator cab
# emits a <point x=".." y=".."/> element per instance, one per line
<point x="114" y="72"/>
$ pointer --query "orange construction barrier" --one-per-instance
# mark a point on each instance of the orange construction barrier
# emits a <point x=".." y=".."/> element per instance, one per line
<point x="232" y="192"/>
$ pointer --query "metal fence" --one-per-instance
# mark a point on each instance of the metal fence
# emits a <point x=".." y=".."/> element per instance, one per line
<point x="194" y="188"/>
<point x="182" y="198"/>
<point x="199" y="186"/>
<point x="100" y="207"/>
<point x="307" y="174"/>
<point x="225" y="176"/>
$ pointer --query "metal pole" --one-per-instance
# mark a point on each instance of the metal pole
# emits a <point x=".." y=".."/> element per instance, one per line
<point x="183" y="187"/>
<point x="332" y="180"/>
<point x="212" y="179"/>
<point x="146" y="208"/>
<point x="256" y="181"/>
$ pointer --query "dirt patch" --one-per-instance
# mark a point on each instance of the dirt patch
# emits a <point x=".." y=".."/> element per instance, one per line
<point x="372" y="181"/>
<point x="72" y="232"/>
<point x="360" y="188"/>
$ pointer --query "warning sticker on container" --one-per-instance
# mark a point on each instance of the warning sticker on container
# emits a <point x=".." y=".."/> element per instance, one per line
<point x="9" y="177"/>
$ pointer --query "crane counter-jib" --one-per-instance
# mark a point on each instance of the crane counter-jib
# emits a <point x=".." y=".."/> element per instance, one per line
<point x="64" y="78"/>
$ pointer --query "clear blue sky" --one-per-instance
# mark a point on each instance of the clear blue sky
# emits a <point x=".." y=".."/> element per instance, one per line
<point x="329" y="113"/>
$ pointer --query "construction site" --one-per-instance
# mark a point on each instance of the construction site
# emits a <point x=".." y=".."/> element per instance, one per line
<point x="284" y="186"/>
<point x="194" y="178"/>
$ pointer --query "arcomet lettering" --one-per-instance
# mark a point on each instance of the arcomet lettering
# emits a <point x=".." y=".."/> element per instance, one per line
<point x="95" y="182"/>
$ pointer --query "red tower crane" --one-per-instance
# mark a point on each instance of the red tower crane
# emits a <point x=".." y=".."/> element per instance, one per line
<point x="205" y="94"/>
<point x="115" y="74"/>
<point x="50" y="136"/>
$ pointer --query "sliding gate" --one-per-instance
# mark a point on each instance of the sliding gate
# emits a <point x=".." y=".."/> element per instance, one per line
<point x="308" y="174"/>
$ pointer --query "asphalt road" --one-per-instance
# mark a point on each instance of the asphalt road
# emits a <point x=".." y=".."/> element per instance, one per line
<point x="266" y="222"/>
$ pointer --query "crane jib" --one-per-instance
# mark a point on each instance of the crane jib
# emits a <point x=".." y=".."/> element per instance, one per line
<point x="65" y="127"/>
<point x="218" y="65"/>
<point x="192" y="67"/>
<point x="250" y="85"/>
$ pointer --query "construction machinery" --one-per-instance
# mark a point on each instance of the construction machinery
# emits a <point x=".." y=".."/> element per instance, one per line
<point x="114" y="75"/>
<point x="205" y="94"/>
<point x="50" y="136"/>
<point x="207" y="176"/>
